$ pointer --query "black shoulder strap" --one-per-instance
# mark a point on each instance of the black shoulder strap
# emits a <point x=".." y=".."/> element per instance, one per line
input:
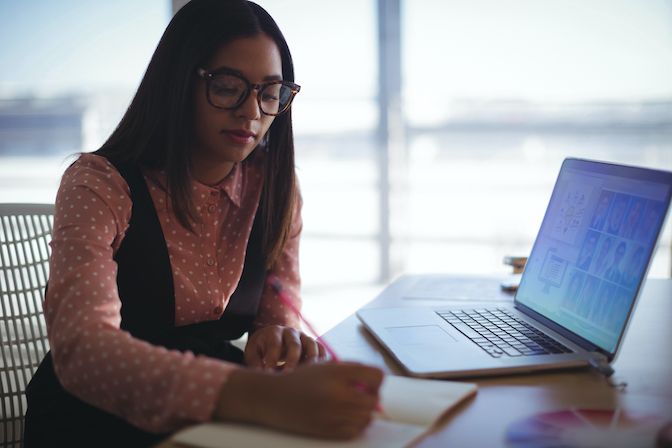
<point x="244" y="303"/>
<point x="144" y="276"/>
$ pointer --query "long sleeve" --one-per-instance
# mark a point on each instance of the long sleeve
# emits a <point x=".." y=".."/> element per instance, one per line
<point x="271" y="310"/>
<point x="155" y="389"/>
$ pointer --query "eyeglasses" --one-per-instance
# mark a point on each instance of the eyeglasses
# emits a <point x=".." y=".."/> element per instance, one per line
<point x="226" y="89"/>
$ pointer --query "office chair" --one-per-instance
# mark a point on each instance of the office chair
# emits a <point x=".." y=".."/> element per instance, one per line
<point x="25" y="232"/>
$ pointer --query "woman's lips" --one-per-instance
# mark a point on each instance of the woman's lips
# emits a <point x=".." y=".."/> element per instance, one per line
<point x="240" y="136"/>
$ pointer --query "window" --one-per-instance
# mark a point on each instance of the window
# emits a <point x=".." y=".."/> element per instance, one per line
<point x="68" y="70"/>
<point x="496" y="94"/>
<point x="334" y="49"/>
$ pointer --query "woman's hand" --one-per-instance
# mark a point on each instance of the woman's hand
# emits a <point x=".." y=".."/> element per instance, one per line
<point x="281" y="348"/>
<point x="323" y="400"/>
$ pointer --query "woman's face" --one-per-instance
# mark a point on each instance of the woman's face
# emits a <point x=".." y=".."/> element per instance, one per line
<point x="602" y="206"/>
<point x="225" y="137"/>
<point x="617" y="213"/>
<point x="635" y="212"/>
<point x="620" y="251"/>
<point x="606" y="245"/>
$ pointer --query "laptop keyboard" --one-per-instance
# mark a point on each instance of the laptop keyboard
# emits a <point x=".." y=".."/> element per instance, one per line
<point x="500" y="333"/>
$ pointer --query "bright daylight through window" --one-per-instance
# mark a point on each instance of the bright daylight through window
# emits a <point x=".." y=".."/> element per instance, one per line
<point x="493" y="96"/>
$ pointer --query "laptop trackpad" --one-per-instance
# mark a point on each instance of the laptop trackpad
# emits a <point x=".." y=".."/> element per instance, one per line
<point x="420" y="335"/>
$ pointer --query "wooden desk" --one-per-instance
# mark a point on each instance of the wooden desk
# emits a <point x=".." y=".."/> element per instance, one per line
<point x="644" y="362"/>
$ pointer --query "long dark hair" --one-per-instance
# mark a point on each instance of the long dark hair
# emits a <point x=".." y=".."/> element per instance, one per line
<point x="157" y="129"/>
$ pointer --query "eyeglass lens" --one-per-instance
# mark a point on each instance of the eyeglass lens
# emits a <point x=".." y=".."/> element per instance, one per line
<point x="229" y="92"/>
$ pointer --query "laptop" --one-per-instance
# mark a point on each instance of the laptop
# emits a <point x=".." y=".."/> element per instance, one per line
<point x="576" y="296"/>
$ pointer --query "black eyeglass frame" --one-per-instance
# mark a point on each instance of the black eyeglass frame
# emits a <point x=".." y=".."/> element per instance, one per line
<point x="249" y="87"/>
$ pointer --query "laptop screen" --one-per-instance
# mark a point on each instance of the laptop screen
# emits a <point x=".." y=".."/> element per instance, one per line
<point x="594" y="247"/>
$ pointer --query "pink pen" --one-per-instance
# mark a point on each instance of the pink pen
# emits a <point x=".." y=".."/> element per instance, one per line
<point x="274" y="282"/>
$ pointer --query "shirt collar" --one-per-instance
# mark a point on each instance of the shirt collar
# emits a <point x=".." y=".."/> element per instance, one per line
<point x="231" y="186"/>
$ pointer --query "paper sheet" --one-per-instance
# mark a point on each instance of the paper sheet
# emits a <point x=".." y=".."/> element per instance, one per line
<point x="419" y="401"/>
<point x="380" y="433"/>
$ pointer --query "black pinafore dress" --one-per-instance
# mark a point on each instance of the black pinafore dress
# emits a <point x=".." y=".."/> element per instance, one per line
<point x="57" y="418"/>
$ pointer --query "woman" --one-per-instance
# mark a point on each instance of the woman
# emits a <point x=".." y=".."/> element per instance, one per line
<point x="163" y="242"/>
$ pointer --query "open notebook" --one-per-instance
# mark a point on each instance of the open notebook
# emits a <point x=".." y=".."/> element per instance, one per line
<point x="411" y="407"/>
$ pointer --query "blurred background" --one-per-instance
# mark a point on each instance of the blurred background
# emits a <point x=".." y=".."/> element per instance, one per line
<point x="429" y="132"/>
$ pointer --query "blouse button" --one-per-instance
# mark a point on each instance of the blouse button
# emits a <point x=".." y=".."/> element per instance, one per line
<point x="211" y="262"/>
<point x="217" y="310"/>
<point x="211" y="208"/>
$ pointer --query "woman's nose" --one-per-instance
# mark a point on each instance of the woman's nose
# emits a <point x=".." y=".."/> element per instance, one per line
<point x="250" y="107"/>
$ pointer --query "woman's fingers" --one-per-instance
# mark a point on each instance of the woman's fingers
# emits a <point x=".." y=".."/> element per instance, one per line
<point x="291" y="348"/>
<point x="254" y="356"/>
<point x="322" y="351"/>
<point x="276" y="347"/>
<point x="364" y="378"/>
<point x="264" y="348"/>
<point x="310" y="349"/>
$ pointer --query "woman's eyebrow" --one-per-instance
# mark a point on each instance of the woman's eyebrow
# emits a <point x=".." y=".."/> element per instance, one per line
<point x="224" y="68"/>
<point x="273" y="78"/>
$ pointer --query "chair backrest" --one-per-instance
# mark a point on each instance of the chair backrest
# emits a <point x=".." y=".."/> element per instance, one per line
<point x="25" y="233"/>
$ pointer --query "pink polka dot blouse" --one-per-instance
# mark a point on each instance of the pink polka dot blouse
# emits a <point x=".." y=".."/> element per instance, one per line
<point x="151" y="387"/>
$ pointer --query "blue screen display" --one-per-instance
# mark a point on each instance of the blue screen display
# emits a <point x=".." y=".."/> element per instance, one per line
<point x="594" y="247"/>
